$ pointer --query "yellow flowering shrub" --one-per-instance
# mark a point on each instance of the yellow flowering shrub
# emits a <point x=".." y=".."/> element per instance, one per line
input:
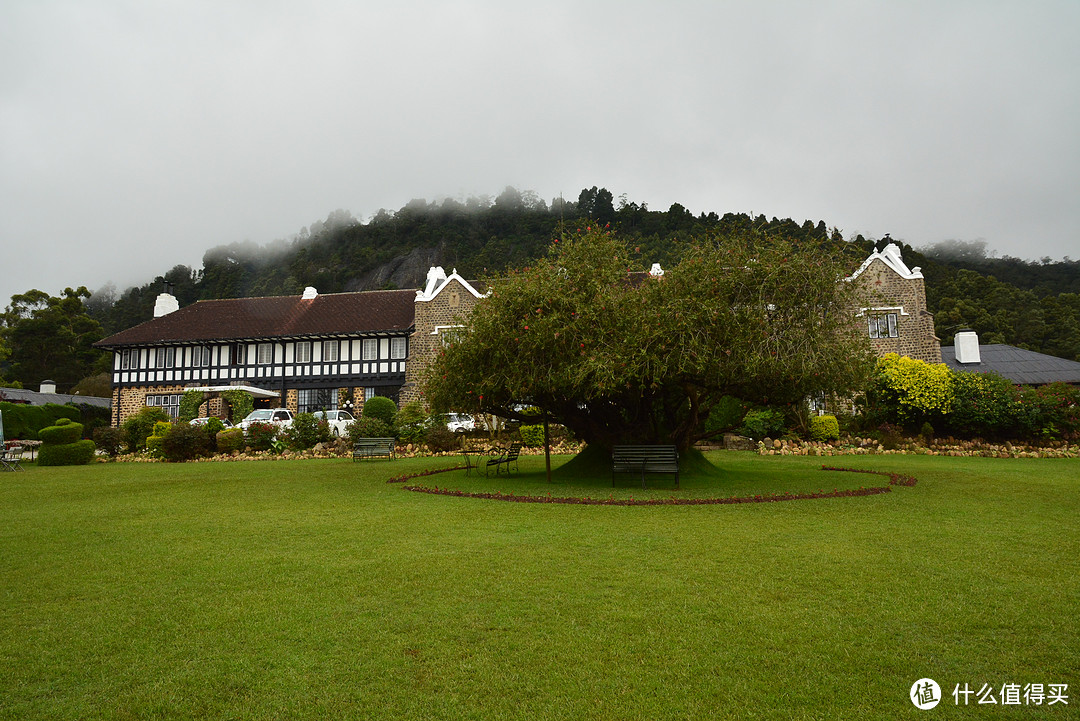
<point x="919" y="388"/>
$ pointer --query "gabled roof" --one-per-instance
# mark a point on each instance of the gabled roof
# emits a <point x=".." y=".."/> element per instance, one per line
<point x="437" y="280"/>
<point x="890" y="256"/>
<point x="1021" y="366"/>
<point x="378" y="311"/>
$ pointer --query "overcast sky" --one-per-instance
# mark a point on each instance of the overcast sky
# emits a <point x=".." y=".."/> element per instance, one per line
<point x="136" y="135"/>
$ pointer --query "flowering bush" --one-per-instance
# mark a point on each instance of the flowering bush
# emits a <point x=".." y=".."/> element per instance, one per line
<point x="918" y="390"/>
<point x="260" y="436"/>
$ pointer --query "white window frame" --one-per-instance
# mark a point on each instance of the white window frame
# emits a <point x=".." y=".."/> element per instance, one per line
<point x="169" y="402"/>
<point x="330" y="350"/>
<point x="129" y="359"/>
<point x="164" y="357"/>
<point x="882" y="325"/>
<point x="398" y="347"/>
<point x="302" y="351"/>
<point x="371" y="349"/>
<point x="264" y="354"/>
<point x="307" y="399"/>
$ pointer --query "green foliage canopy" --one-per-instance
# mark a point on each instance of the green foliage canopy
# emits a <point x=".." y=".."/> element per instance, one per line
<point x="618" y="356"/>
<point x="47" y="337"/>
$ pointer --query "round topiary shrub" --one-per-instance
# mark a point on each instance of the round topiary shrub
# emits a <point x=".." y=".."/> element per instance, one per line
<point x="382" y="408"/>
<point x="824" y="428"/>
<point x="61" y="445"/>
<point x="532" y="436"/>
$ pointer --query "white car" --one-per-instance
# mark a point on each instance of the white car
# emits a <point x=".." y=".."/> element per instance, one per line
<point x="459" y="422"/>
<point x="203" y="421"/>
<point x="281" y="417"/>
<point x="338" y="421"/>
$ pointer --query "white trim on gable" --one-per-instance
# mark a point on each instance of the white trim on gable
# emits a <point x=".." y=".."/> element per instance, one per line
<point x="437" y="280"/>
<point x="890" y="256"/>
<point x="881" y="309"/>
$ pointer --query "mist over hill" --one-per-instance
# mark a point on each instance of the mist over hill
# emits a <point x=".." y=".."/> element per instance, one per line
<point x="1034" y="305"/>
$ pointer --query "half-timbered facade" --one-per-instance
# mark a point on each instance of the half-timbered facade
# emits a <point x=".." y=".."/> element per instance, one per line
<point x="313" y="351"/>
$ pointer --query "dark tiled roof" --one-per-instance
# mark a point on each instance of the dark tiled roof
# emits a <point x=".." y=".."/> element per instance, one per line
<point x="1018" y="365"/>
<point x="285" y="316"/>
<point x="21" y="395"/>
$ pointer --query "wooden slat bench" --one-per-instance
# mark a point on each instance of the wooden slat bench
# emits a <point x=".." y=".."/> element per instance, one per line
<point x="644" y="459"/>
<point x="373" y="447"/>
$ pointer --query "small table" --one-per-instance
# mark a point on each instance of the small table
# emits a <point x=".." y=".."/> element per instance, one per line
<point x="470" y="464"/>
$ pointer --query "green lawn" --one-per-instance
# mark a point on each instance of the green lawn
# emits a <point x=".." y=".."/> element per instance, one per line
<point x="313" y="589"/>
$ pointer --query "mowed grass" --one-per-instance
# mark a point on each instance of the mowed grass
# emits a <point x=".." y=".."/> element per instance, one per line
<point x="313" y="589"/>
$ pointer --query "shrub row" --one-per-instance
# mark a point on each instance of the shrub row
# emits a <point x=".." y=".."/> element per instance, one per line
<point x="931" y="398"/>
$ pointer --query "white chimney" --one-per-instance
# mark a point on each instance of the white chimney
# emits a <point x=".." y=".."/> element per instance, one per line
<point x="966" y="343"/>
<point x="309" y="293"/>
<point x="166" y="303"/>
<point x="47" y="387"/>
<point x="435" y="275"/>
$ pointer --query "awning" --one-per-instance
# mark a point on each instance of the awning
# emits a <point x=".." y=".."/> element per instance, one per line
<point x="255" y="392"/>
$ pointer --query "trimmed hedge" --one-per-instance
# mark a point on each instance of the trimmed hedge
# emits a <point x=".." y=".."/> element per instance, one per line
<point x="532" y="436"/>
<point x="61" y="445"/>
<point x="230" y="439"/>
<point x="63" y="432"/>
<point x="78" y="453"/>
<point x="25" y="421"/>
<point x="824" y="428"/>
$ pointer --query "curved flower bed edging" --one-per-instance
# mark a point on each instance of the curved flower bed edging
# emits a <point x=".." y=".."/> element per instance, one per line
<point x="895" y="479"/>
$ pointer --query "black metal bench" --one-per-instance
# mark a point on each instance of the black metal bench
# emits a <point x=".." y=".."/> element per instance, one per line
<point x="503" y="458"/>
<point x="374" y="447"/>
<point x="644" y="459"/>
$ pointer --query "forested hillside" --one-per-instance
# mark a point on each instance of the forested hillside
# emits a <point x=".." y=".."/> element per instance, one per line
<point x="1035" y="305"/>
<point x="395" y="250"/>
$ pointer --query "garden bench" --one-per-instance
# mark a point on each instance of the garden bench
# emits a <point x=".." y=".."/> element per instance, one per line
<point x="373" y="447"/>
<point x="644" y="459"/>
<point x="503" y="457"/>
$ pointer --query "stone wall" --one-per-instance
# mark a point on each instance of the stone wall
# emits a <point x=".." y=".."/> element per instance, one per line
<point x="906" y="297"/>
<point x="451" y="307"/>
<point x="129" y="401"/>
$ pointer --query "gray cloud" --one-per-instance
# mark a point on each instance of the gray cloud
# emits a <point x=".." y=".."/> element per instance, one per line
<point x="134" y="135"/>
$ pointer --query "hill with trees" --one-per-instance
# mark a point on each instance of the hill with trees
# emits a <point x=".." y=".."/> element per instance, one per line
<point x="1034" y="305"/>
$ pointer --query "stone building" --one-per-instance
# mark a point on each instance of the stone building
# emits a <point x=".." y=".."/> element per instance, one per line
<point x="304" y="353"/>
<point x="895" y="315"/>
<point x="332" y="351"/>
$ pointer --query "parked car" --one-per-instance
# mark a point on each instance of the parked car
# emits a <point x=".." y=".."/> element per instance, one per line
<point x="203" y="421"/>
<point x="338" y="421"/>
<point x="281" y="417"/>
<point x="459" y="422"/>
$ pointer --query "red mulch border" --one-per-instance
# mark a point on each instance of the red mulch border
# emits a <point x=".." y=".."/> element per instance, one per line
<point x="895" y="479"/>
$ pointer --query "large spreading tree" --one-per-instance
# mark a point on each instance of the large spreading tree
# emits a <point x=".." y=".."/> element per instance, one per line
<point x="618" y="355"/>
